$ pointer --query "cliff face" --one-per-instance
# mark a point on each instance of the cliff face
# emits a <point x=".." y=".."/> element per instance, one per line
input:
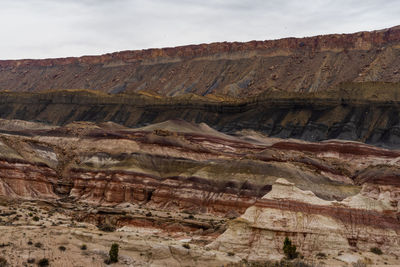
<point x="229" y="69"/>
<point x="367" y="113"/>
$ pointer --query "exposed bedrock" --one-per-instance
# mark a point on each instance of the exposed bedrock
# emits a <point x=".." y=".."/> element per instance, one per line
<point x="228" y="69"/>
<point x="354" y="224"/>
<point x="195" y="169"/>
<point x="336" y="196"/>
<point x="367" y="113"/>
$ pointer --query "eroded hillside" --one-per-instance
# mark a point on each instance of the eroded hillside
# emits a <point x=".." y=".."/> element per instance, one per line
<point x="228" y="69"/>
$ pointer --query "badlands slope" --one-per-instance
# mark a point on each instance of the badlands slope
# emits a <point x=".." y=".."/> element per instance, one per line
<point x="175" y="182"/>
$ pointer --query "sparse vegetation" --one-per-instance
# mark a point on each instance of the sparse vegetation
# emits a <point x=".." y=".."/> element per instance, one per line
<point x="3" y="262"/>
<point x="43" y="262"/>
<point x="83" y="247"/>
<point x="231" y="254"/>
<point x="36" y="218"/>
<point x="321" y="255"/>
<point x="114" y="253"/>
<point x="62" y="248"/>
<point x="106" y="227"/>
<point x="38" y="244"/>
<point x="186" y="245"/>
<point x="376" y="250"/>
<point x="289" y="249"/>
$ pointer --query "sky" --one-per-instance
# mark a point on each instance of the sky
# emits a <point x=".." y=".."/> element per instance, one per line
<point x="61" y="28"/>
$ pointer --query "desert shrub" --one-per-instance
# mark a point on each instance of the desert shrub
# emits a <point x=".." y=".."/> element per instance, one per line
<point x="36" y="218"/>
<point x="186" y="245"/>
<point x="376" y="250"/>
<point x="289" y="249"/>
<point x="114" y="253"/>
<point x="321" y="255"/>
<point x="62" y="248"/>
<point x="106" y="227"/>
<point x="43" y="262"/>
<point x="149" y="214"/>
<point x="31" y="260"/>
<point x="30" y="242"/>
<point x="38" y="244"/>
<point x="231" y="253"/>
<point x="83" y="247"/>
<point x="3" y="262"/>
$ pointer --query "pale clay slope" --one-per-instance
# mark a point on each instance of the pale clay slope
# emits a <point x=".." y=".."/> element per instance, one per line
<point x="259" y="233"/>
<point x="284" y="190"/>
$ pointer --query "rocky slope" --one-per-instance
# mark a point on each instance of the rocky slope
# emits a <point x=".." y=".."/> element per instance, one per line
<point x="294" y="138"/>
<point x="366" y="112"/>
<point x="228" y="69"/>
<point x="333" y="228"/>
<point x="180" y="178"/>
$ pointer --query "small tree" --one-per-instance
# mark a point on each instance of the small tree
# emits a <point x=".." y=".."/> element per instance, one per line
<point x="114" y="253"/>
<point x="289" y="249"/>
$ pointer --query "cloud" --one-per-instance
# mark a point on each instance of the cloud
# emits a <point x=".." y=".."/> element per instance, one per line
<point x="56" y="28"/>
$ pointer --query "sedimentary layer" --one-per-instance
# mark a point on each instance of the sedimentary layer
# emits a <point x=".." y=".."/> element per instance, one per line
<point x="194" y="168"/>
<point x="335" y="228"/>
<point x="105" y="173"/>
<point x="366" y="112"/>
<point x="228" y="69"/>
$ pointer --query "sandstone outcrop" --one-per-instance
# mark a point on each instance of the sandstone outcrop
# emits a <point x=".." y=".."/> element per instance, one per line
<point x="357" y="223"/>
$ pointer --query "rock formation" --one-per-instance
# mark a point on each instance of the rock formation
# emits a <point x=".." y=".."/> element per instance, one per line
<point x="357" y="223"/>
<point x="206" y="155"/>
<point x="364" y="112"/>
<point x="229" y="69"/>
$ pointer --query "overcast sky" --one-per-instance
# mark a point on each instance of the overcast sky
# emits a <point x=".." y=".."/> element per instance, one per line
<point x="59" y="28"/>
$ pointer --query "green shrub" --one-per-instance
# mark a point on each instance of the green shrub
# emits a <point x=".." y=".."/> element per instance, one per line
<point x="289" y="249"/>
<point x="114" y="253"/>
<point x="36" y="218"/>
<point x="83" y="247"/>
<point x="376" y="250"/>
